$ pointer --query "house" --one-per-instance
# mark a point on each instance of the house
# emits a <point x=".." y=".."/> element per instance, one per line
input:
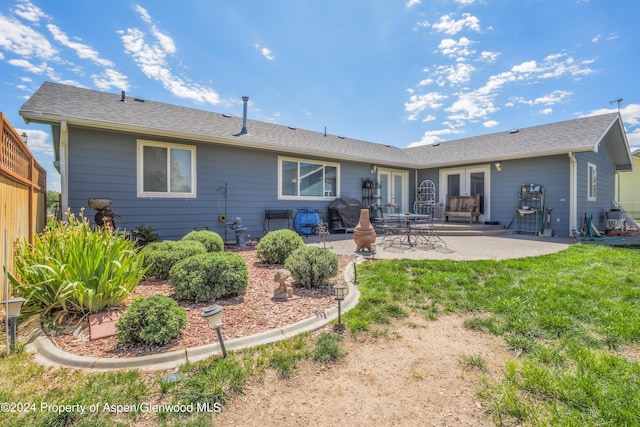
<point x="177" y="169"/>
<point x="627" y="188"/>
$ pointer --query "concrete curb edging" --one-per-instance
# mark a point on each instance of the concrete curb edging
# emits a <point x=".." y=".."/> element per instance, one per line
<point x="47" y="353"/>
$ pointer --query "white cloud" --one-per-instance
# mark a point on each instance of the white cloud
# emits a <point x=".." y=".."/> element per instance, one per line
<point x="490" y="123"/>
<point x="456" y="49"/>
<point x="110" y="79"/>
<point x="82" y="50"/>
<point x="29" y="12"/>
<point x="634" y="137"/>
<point x="432" y="137"/>
<point x="550" y="99"/>
<point x="152" y="61"/>
<point x="266" y="52"/>
<point x="24" y="41"/>
<point x="459" y="74"/>
<point x="546" y="111"/>
<point x="465" y="2"/>
<point x="418" y="103"/>
<point x="143" y="13"/>
<point x="449" y="26"/>
<point x="525" y="67"/>
<point x="487" y="56"/>
<point x="412" y="3"/>
<point x="26" y="65"/>
<point x="37" y="141"/>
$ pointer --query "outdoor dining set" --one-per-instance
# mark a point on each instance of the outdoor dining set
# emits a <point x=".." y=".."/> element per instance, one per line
<point x="410" y="230"/>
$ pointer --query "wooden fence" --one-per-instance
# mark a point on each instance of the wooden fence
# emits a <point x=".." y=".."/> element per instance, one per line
<point x="23" y="196"/>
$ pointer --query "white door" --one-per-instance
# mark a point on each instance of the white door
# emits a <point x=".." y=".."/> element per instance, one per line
<point x="468" y="181"/>
<point x="393" y="189"/>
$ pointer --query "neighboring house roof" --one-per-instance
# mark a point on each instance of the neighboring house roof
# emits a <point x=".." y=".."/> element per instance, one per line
<point x="53" y="103"/>
<point x="571" y="136"/>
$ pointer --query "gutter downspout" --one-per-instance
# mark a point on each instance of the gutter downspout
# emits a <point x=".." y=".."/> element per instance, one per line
<point x="573" y="193"/>
<point x="64" y="166"/>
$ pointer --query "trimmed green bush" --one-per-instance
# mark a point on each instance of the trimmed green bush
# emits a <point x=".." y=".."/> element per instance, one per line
<point x="312" y="266"/>
<point x="209" y="276"/>
<point x="276" y="246"/>
<point x="73" y="267"/>
<point x="154" y="320"/>
<point x="210" y="239"/>
<point x="159" y="257"/>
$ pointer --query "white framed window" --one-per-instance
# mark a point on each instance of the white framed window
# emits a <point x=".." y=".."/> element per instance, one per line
<point x="592" y="182"/>
<point x="300" y="179"/>
<point x="166" y="170"/>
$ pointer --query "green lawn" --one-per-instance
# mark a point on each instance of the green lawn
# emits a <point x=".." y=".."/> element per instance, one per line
<point x="570" y="318"/>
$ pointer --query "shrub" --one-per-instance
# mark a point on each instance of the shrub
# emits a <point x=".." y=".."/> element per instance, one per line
<point x="145" y="235"/>
<point x="159" y="257"/>
<point x="276" y="246"/>
<point x="208" y="276"/>
<point x="312" y="266"/>
<point x="154" y="320"/>
<point x="210" y="239"/>
<point x="73" y="267"/>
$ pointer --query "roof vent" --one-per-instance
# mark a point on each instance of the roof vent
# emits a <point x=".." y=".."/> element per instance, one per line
<point x="514" y="131"/>
<point x="244" y="130"/>
<point x="227" y="116"/>
<point x="123" y="98"/>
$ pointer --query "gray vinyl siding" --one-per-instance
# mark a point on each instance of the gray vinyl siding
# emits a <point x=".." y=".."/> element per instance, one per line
<point x="605" y="186"/>
<point x="104" y="165"/>
<point x="552" y="172"/>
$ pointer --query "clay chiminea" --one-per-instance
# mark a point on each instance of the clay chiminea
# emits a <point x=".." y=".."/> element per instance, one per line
<point x="364" y="235"/>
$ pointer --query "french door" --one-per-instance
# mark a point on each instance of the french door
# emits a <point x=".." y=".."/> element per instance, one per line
<point x="466" y="182"/>
<point x="393" y="190"/>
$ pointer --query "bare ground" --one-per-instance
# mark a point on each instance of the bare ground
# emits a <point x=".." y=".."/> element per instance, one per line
<point x="414" y="375"/>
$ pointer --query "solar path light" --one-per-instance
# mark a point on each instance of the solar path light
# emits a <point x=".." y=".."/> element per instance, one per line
<point x="12" y="307"/>
<point x="213" y="313"/>
<point x="338" y="293"/>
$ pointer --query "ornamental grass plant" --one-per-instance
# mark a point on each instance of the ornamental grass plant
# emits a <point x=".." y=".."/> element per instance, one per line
<point x="75" y="268"/>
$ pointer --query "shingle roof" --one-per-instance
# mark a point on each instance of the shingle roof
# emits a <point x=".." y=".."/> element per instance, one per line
<point x="54" y="102"/>
<point x="583" y="134"/>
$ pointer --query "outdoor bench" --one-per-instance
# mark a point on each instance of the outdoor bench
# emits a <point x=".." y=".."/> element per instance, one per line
<point x="464" y="207"/>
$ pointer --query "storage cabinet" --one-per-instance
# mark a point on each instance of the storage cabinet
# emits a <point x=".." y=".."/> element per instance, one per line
<point x="529" y="210"/>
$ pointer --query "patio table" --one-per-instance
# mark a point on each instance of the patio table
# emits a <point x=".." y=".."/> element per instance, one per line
<point x="414" y="229"/>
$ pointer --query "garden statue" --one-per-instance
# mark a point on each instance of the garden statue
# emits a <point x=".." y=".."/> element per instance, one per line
<point x="239" y="228"/>
<point x="284" y="290"/>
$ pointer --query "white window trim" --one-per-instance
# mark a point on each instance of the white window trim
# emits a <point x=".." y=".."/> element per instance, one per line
<point x="299" y="160"/>
<point x="141" y="143"/>
<point x="592" y="193"/>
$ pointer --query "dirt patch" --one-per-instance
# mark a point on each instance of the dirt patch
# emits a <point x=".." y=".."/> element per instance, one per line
<point x="415" y="375"/>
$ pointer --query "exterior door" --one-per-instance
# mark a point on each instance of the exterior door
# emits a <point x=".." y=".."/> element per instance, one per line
<point x="393" y="189"/>
<point x="468" y="181"/>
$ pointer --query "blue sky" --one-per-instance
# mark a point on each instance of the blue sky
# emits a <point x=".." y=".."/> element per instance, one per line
<point x="397" y="72"/>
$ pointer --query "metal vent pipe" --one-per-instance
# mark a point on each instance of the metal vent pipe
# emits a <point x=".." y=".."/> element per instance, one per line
<point x="244" y="131"/>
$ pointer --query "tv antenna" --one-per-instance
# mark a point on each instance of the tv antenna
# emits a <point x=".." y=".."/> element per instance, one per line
<point x="616" y="101"/>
